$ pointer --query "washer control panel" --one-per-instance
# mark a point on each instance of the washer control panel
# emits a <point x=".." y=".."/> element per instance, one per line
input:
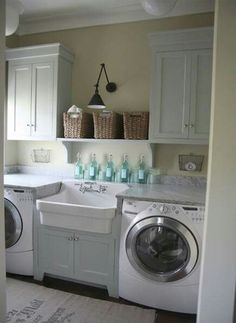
<point x="195" y="213"/>
<point x="133" y="207"/>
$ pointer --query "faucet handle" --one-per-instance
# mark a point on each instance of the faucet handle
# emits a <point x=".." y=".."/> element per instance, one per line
<point x="102" y="188"/>
<point x="90" y="183"/>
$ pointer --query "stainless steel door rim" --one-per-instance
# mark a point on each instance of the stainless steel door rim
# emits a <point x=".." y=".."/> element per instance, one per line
<point x="170" y="226"/>
<point x="13" y="224"/>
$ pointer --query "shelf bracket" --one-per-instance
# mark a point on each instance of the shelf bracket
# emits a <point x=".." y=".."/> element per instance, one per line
<point x="68" y="146"/>
<point x="152" y="149"/>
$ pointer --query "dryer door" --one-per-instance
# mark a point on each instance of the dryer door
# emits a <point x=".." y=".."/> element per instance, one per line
<point x="13" y="224"/>
<point x="162" y="249"/>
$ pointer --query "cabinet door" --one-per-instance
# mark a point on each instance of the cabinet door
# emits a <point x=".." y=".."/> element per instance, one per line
<point x="19" y="101"/>
<point x="56" y="252"/>
<point x="43" y="100"/>
<point x="200" y="94"/>
<point x="94" y="259"/>
<point x="170" y="95"/>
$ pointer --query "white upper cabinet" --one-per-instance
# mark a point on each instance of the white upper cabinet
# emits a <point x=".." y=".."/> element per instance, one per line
<point x="39" y="91"/>
<point x="181" y="86"/>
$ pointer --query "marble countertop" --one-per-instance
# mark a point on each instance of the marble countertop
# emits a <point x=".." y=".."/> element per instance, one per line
<point x="177" y="194"/>
<point x="42" y="185"/>
<point x="165" y="193"/>
<point x="28" y="180"/>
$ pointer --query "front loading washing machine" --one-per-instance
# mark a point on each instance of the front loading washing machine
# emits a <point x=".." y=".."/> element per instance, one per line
<point x="18" y="205"/>
<point x="160" y="254"/>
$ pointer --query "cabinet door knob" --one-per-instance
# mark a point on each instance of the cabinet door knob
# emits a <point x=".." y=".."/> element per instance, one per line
<point x="186" y="125"/>
<point x="28" y="125"/>
<point x="32" y="125"/>
<point x="191" y="125"/>
<point x="76" y="238"/>
<point x="70" y="238"/>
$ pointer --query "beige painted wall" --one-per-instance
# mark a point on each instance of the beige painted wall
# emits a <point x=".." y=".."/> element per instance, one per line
<point x="218" y="275"/>
<point x="125" y="50"/>
<point x="2" y="92"/>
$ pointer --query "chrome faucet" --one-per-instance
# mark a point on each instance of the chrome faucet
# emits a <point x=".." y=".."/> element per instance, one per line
<point x="91" y="187"/>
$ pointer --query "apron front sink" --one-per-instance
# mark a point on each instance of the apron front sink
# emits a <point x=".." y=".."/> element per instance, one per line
<point x="80" y="206"/>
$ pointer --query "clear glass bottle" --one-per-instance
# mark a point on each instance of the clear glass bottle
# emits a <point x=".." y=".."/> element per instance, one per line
<point x="124" y="170"/>
<point x="141" y="175"/>
<point x="93" y="168"/>
<point x="109" y="175"/>
<point x="79" y="167"/>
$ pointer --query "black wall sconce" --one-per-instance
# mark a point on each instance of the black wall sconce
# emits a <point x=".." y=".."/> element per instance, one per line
<point x="96" y="101"/>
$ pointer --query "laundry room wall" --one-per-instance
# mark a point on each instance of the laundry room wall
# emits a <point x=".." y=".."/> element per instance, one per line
<point x="2" y="235"/>
<point x="125" y="50"/>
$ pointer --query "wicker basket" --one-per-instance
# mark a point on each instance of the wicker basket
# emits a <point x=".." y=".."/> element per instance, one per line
<point x="81" y="127"/>
<point x="107" y="125"/>
<point x="135" y="125"/>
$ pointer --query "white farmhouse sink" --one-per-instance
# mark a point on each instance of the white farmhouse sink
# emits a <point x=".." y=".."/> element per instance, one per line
<point x="72" y="209"/>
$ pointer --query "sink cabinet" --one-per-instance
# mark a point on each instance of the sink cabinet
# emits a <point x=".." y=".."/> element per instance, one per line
<point x="39" y="91"/>
<point x="181" y="86"/>
<point x="78" y="255"/>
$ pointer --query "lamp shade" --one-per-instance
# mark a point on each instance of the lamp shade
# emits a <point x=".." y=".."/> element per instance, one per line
<point x="96" y="102"/>
<point x="158" y="7"/>
<point x="14" y="8"/>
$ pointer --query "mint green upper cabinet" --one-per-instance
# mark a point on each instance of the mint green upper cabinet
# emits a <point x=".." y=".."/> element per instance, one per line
<point x="36" y="101"/>
<point x="200" y="100"/>
<point x="19" y="100"/>
<point x="181" y="86"/>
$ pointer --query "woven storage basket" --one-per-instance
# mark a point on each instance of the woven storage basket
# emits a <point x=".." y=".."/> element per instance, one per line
<point x="107" y="125"/>
<point x="135" y="125"/>
<point x="81" y="127"/>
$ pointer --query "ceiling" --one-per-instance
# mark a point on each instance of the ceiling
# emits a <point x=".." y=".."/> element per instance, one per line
<point x="49" y="15"/>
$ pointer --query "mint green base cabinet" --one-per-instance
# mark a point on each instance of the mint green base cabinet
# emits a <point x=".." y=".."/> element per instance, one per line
<point x="79" y="255"/>
<point x="56" y="252"/>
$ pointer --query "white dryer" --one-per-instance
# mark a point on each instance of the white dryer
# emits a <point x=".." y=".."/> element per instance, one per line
<point x="18" y="205"/>
<point x="160" y="253"/>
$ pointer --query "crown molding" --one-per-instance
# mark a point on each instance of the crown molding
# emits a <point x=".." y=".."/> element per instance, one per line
<point x="123" y="14"/>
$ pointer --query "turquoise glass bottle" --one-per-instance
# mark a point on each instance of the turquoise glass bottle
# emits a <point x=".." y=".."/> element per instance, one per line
<point x="109" y="169"/>
<point x="93" y="168"/>
<point x="141" y="170"/>
<point x="124" y="170"/>
<point x="79" y="168"/>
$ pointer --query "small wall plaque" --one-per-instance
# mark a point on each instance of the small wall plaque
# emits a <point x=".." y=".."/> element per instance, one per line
<point x="40" y="155"/>
<point x="192" y="163"/>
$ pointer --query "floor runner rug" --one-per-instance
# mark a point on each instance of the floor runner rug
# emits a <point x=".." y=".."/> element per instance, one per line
<point x="31" y="303"/>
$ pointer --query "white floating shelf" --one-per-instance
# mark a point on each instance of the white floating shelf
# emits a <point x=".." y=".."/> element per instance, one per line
<point x="67" y="142"/>
<point x="97" y="141"/>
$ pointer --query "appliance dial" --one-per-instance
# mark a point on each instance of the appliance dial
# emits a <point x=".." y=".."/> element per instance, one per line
<point x="163" y="209"/>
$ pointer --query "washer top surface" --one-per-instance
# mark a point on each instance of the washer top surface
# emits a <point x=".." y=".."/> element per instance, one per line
<point x="175" y="194"/>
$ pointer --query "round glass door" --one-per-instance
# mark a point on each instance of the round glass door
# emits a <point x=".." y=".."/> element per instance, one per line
<point x="162" y="249"/>
<point x="13" y="224"/>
